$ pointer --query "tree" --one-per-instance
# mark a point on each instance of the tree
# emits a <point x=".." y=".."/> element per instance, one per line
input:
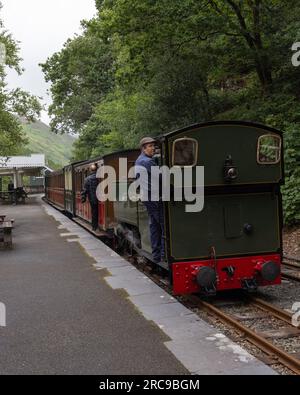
<point x="81" y="74"/>
<point x="255" y="30"/>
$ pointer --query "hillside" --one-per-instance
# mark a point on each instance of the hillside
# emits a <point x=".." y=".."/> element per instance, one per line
<point x="57" y="148"/>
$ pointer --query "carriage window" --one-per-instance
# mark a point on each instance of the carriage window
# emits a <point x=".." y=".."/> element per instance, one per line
<point x="185" y="152"/>
<point x="269" y="149"/>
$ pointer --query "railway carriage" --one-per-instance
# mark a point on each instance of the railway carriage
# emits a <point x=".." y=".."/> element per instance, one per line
<point x="106" y="215"/>
<point x="63" y="190"/>
<point x="235" y="241"/>
<point x="55" y="188"/>
<point x="82" y="210"/>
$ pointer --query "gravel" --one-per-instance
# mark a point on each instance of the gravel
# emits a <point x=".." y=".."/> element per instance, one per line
<point x="291" y="242"/>
<point x="283" y="296"/>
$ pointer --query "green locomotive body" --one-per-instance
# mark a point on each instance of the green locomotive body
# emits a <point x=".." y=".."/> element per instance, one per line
<point x="235" y="241"/>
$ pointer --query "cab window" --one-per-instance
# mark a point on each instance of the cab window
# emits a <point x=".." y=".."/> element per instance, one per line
<point x="185" y="152"/>
<point x="269" y="149"/>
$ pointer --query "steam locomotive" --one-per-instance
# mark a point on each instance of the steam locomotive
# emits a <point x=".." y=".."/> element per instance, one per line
<point x="235" y="242"/>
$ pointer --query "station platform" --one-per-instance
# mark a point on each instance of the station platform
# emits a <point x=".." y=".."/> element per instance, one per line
<point x="73" y="306"/>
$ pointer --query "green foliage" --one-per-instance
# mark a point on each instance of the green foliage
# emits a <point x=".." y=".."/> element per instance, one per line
<point x="23" y="104"/>
<point x="4" y="181"/>
<point x="291" y="189"/>
<point x="12" y="137"/>
<point x="143" y="67"/>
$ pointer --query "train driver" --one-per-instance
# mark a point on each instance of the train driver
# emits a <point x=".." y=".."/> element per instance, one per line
<point x="154" y="208"/>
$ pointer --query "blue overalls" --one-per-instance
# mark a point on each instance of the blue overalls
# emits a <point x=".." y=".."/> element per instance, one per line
<point x="155" y="213"/>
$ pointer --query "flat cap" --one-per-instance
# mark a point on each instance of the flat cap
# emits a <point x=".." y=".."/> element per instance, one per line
<point x="147" y="140"/>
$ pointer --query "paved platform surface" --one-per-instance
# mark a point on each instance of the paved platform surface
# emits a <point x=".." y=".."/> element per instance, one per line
<point x="76" y="307"/>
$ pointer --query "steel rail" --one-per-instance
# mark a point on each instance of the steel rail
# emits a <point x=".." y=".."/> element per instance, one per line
<point x="291" y="265"/>
<point x="259" y="341"/>
<point x="291" y="258"/>
<point x="294" y="265"/>
<point x="291" y="276"/>
<point x="277" y="312"/>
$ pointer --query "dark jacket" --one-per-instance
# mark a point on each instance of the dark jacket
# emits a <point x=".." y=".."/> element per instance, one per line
<point x="90" y="188"/>
<point x="10" y="187"/>
<point x="146" y="185"/>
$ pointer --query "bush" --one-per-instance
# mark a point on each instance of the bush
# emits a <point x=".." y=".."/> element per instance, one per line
<point x="291" y="189"/>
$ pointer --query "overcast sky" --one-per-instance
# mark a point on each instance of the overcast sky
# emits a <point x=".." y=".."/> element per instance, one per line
<point x="42" y="27"/>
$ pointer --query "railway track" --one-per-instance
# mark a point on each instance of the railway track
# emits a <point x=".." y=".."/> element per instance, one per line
<point x="264" y="341"/>
<point x="291" y="268"/>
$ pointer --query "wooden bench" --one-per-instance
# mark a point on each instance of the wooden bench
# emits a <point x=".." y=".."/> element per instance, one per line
<point x="6" y="228"/>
